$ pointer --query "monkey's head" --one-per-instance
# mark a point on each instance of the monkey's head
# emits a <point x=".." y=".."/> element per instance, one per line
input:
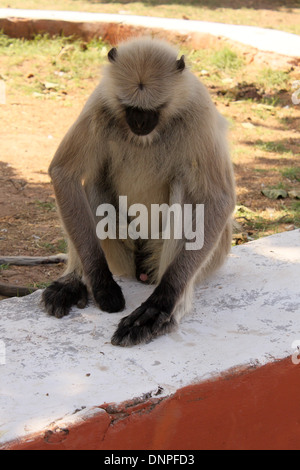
<point x="144" y="82"/>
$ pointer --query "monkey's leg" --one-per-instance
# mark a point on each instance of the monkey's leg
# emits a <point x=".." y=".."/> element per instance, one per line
<point x="62" y="294"/>
<point x="71" y="290"/>
<point x="79" y="221"/>
<point x="172" y="297"/>
<point x="68" y="290"/>
<point x="153" y="318"/>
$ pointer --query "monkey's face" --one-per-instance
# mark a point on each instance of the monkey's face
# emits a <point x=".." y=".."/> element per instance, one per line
<point x="140" y="121"/>
<point x="144" y="82"/>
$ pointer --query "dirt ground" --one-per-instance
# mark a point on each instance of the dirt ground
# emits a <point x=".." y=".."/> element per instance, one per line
<point x="30" y="132"/>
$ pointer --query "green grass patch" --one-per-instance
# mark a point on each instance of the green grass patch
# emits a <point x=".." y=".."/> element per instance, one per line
<point x="59" y="247"/>
<point x="270" y="78"/>
<point x="261" y="223"/>
<point x="292" y="214"/>
<point x="39" y="285"/>
<point x="226" y="60"/>
<point x="28" y="66"/>
<point x="293" y="174"/>
<point x="4" y="267"/>
<point x="46" y="205"/>
<point x="272" y="146"/>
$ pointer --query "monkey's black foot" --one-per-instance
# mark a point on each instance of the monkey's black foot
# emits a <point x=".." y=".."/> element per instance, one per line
<point x="109" y="297"/>
<point x="62" y="294"/>
<point x="142" y="325"/>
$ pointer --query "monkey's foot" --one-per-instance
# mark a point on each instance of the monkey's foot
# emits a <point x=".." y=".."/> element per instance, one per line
<point x="62" y="294"/>
<point x="109" y="297"/>
<point x="142" y="325"/>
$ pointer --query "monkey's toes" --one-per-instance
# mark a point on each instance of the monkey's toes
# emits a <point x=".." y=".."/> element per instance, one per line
<point x="141" y="326"/>
<point x="110" y="299"/>
<point x="60" y="296"/>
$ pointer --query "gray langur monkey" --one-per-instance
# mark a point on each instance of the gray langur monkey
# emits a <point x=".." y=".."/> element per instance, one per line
<point x="151" y="132"/>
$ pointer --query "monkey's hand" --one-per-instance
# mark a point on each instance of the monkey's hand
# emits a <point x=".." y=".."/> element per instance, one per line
<point x="108" y="295"/>
<point x="142" y="325"/>
<point x="62" y="294"/>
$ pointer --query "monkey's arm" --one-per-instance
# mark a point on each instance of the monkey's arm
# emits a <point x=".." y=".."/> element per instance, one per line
<point x="155" y="316"/>
<point x="78" y="156"/>
<point x="188" y="262"/>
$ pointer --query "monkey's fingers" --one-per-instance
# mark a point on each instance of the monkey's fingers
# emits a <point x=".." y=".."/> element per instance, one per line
<point x="61" y="295"/>
<point x="141" y="326"/>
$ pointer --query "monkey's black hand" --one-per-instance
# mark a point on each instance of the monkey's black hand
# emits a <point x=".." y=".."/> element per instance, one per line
<point x="108" y="296"/>
<point x="59" y="297"/>
<point x="142" y="325"/>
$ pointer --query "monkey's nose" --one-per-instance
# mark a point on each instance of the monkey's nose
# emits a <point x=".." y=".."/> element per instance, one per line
<point x="139" y="118"/>
<point x="140" y="124"/>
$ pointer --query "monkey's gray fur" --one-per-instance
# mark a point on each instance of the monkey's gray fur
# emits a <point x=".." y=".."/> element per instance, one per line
<point x="149" y="132"/>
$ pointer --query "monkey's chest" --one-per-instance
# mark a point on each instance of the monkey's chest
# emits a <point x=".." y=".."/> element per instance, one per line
<point x="138" y="179"/>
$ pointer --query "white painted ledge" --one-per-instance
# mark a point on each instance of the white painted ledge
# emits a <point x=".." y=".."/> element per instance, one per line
<point x="263" y="39"/>
<point x="248" y="313"/>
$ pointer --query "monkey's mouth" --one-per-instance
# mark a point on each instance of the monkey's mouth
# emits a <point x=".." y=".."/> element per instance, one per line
<point x="141" y="121"/>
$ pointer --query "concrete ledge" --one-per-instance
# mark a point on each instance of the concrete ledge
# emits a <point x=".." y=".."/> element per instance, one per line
<point x="257" y="409"/>
<point x="113" y="28"/>
<point x="224" y="379"/>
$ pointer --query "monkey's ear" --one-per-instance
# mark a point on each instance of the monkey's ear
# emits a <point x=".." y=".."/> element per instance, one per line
<point x="112" y="55"/>
<point x="180" y="64"/>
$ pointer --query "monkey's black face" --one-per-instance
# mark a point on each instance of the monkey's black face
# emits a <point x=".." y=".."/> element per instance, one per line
<point x="141" y="121"/>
